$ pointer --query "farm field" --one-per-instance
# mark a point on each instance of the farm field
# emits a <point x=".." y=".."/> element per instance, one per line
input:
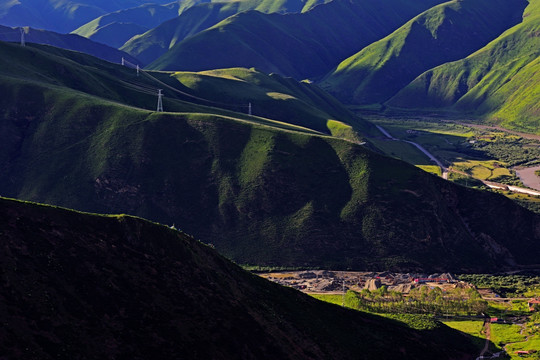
<point x="471" y="153"/>
<point x="496" y="315"/>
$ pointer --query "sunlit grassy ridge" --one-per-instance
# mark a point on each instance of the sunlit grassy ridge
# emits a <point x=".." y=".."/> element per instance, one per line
<point x="443" y="33"/>
<point x="499" y="82"/>
<point x="264" y="192"/>
<point x="298" y="45"/>
<point x="155" y="42"/>
<point x="275" y="97"/>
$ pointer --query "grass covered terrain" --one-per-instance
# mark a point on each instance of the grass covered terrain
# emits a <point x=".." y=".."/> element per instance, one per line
<point x="272" y="193"/>
<point x="444" y="33"/>
<point x="471" y="153"/>
<point x="298" y="45"/>
<point x="61" y="16"/>
<point x="160" y="38"/>
<point x="498" y="82"/>
<point x="65" y="41"/>
<point x="152" y="291"/>
<point x="274" y="97"/>
<point x="115" y="28"/>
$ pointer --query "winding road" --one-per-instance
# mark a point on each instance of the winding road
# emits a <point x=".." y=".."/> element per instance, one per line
<point x="445" y="170"/>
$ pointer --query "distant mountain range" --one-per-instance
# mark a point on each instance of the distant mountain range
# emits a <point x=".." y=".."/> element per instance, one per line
<point x="441" y="34"/>
<point x="114" y="29"/>
<point x="62" y="16"/>
<point x="78" y="285"/>
<point x="272" y="192"/>
<point x="65" y="41"/>
<point x="298" y="45"/>
<point x="156" y="42"/>
<point x="501" y="80"/>
<point x="471" y="57"/>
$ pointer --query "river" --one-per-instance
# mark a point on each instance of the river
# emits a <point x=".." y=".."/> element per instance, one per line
<point x="529" y="178"/>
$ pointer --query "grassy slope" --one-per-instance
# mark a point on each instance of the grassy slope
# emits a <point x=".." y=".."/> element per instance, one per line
<point x="298" y="45"/>
<point x="86" y="286"/>
<point x="66" y="41"/>
<point x="444" y="33"/>
<point x="268" y="197"/>
<point x="156" y="42"/>
<point x="60" y="16"/>
<point x="274" y="97"/>
<point x="499" y="82"/>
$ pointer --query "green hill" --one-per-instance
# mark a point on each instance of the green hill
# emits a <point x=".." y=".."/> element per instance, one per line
<point x="263" y="192"/>
<point x="78" y="285"/>
<point x="298" y="45"/>
<point x="156" y="42"/>
<point x="116" y="28"/>
<point x="65" y="41"/>
<point x="441" y="34"/>
<point x="61" y="16"/>
<point x="499" y="82"/>
<point x="274" y="97"/>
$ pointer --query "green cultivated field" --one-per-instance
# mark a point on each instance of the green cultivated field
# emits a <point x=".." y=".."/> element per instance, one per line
<point x="471" y="154"/>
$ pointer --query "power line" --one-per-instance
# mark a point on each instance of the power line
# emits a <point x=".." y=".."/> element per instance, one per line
<point x="160" y="101"/>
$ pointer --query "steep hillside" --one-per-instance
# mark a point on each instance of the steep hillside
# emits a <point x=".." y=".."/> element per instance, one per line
<point x="61" y="16"/>
<point x="86" y="286"/>
<point x="275" y="101"/>
<point x="65" y="41"/>
<point x="444" y="33"/>
<point x="500" y="82"/>
<point x="156" y="42"/>
<point x="274" y="97"/>
<point x="283" y="197"/>
<point x="298" y="45"/>
<point x="114" y="29"/>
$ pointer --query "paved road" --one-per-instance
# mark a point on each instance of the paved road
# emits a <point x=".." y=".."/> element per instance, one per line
<point x="444" y="170"/>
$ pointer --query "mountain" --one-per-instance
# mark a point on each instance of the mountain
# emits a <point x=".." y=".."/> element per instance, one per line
<point x="298" y="45"/>
<point x="441" y="34"/>
<point x="271" y="193"/>
<point x="156" y="42"/>
<point x="273" y="97"/>
<point x="498" y="82"/>
<point x="60" y="16"/>
<point x="78" y="285"/>
<point x="65" y="41"/>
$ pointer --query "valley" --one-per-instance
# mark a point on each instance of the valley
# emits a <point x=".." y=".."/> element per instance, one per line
<point x="473" y="155"/>
<point x="499" y="309"/>
<point x="270" y="179"/>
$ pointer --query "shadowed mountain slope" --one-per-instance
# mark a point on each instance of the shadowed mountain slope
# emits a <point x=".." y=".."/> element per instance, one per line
<point x="116" y="28"/>
<point x="271" y="193"/>
<point x="78" y="285"/>
<point x="298" y="45"/>
<point x="61" y="16"/>
<point x="443" y="33"/>
<point x="275" y="97"/>
<point x="65" y="41"/>
<point x="156" y="42"/>
<point x="499" y="82"/>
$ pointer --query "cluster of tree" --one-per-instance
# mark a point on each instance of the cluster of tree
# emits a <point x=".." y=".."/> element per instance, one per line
<point x="422" y="300"/>
<point x="511" y="151"/>
<point x="506" y="285"/>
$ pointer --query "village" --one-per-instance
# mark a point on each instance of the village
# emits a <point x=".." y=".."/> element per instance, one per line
<point x="324" y="281"/>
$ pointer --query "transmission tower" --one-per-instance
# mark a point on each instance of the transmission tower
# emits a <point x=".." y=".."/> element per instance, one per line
<point x="160" y="101"/>
<point x="249" y="109"/>
<point x="123" y="61"/>
<point x="23" y="43"/>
